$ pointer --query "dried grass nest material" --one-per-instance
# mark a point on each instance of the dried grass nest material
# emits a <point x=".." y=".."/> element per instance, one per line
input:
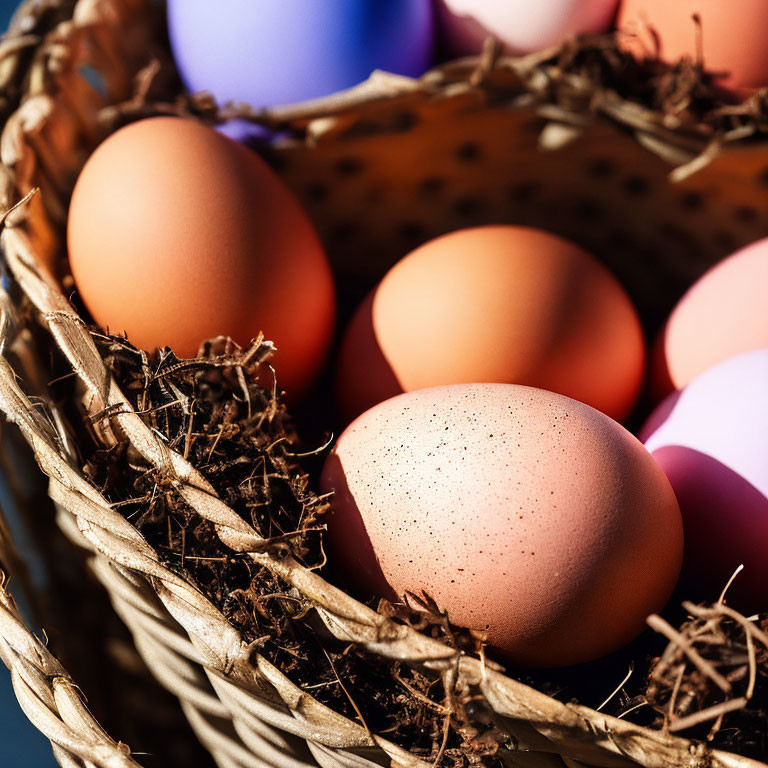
<point x="716" y="664"/>
<point x="677" y="111"/>
<point x="710" y="683"/>
<point x="214" y="412"/>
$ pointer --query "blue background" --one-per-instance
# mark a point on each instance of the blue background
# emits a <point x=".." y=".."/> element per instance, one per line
<point x="21" y="745"/>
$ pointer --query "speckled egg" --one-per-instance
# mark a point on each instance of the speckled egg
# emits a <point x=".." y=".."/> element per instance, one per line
<point x="518" y="510"/>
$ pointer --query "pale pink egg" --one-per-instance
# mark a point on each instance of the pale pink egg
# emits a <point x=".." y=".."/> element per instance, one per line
<point x="723" y="315"/>
<point x="522" y="26"/>
<point x="711" y="440"/>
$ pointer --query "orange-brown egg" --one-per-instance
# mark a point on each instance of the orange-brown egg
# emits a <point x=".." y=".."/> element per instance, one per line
<point x="177" y="234"/>
<point x="730" y="37"/>
<point x="516" y="509"/>
<point x="495" y="304"/>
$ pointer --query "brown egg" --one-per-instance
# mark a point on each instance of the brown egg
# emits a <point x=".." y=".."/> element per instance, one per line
<point x="177" y="234"/>
<point x="514" y="508"/>
<point x="495" y="304"/>
<point x="731" y="38"/>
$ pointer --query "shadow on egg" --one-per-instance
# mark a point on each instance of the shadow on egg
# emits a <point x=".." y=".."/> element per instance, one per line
<point x="364" y="376"/>
<point x="351" y="556"/>
<point x="725" y="519"/>
<point x="659" y="382"/>
<point x="660" y="416"/>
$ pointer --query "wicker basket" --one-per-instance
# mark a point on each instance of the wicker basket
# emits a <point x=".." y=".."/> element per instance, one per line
<point x="47" y="695"/>
<point x="477" y="141"/>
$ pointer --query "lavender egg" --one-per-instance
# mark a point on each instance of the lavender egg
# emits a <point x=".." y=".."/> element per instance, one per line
<point x="246" y="132"/>
<point x="711" y="440"/>
<point x="273" y="53"/>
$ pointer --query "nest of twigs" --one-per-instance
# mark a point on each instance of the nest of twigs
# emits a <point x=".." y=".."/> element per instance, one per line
<point x="711" y="682"/>
<point x="215" y="411"/>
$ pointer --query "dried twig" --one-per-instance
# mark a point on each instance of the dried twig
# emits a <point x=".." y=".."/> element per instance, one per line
<point x="657" y="623"/>
<point x="683" y="723"/>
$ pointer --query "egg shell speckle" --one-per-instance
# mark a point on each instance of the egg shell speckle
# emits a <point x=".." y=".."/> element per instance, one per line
<point x="513" y="507"/>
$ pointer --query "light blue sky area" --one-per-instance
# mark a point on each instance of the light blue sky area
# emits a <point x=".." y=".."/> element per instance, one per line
<point x="21" y="745"/>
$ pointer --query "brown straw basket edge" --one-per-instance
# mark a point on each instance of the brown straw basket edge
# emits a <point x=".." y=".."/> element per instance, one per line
<point x="243" y="708"/>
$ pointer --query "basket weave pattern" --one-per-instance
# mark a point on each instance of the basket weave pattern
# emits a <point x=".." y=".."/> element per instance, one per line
<point x="46" y="693"/>
<point x="243" y="709"/>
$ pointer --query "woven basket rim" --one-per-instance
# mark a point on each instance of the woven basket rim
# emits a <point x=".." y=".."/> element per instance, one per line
<point x="536" y="83"/>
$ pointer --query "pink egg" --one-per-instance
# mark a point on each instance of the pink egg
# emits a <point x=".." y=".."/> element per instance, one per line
<point x="522" y="26"/>
<point x="723" y="315"/>
<point x="711" y="440"/>
<point x="515" y="508"/>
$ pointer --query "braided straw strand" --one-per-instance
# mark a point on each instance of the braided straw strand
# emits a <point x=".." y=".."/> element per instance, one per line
<point x="48" y="696"/>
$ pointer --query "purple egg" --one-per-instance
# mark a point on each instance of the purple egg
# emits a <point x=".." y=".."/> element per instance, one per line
<point x="251" y="134"/>
<point x="711" y="440"/>
<point x="246" y="132"/>
<point x="270" y="53"/>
